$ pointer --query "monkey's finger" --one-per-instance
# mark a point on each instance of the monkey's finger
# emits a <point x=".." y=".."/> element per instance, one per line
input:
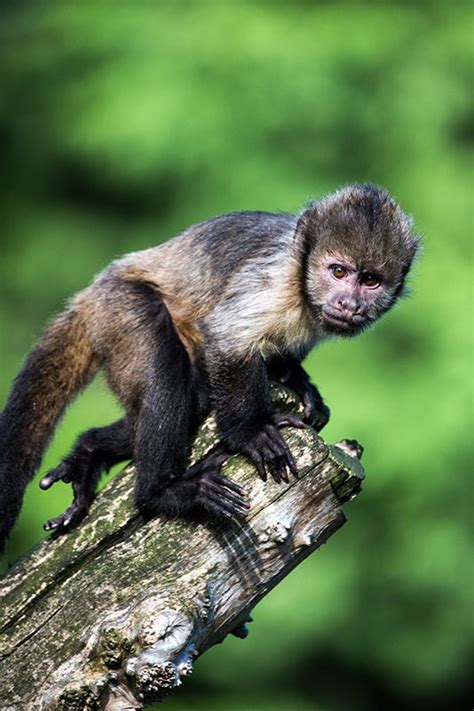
<point x="272" y="460"/>
<point x="281" y="452"/>
<point x="55" y="523"/>
<point x="279" y="468"/>
<point x="217" y="510"/>
<point x="201" y="467"/>
<point x="215" y="461"/>
<point x="68" y="519"/>
<point x="310" y="409"/>
<point x="240" y="507"/>
<point x="275" y="442"/>
<point x="273" y="469"/>
<point x="288" y="457"/>
<point x="270" y="452"/>
<point x="286" y="453"/>
<point x="290" y="460"/>
<point x="282" y="467"/>
<point x="225" y="494"/>
<point x="288" y="421"/>
<point x="52" y="477"/>
<point x="228" y="506"/>
<point x="257" y="460"/>
<point x="235" y="510"/>
<point x="221" y="508"/>
<point x="223" y="480"/>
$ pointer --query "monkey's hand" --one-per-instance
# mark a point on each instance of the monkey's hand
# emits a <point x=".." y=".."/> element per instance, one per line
<point x="83" y="484"/>
<point x="269" y="452"/>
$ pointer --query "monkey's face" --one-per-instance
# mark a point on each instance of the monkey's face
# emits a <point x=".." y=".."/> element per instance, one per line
<point x="348" y="297"/>
<point x="359" y="249"/>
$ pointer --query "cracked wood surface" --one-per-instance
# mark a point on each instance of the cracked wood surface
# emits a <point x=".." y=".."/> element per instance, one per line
<point x="112" y="615"/>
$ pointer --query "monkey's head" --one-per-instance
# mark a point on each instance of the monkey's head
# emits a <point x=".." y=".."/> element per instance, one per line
<point x="358" y="247"/>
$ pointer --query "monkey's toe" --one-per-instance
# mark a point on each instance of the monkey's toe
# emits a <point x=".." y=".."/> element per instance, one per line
<point x="60" y="473"/>
<point x="67" y="520"/>
<point x="216" y="493"/>
<point x="222" y="497"/>
<point x="210" y="463"/>
<point x="269" y="452"/>
<point x="280" y="419"/>
<point x="320" y="418"/>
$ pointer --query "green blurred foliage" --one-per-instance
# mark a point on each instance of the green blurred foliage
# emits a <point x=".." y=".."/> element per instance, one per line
<point x="120" y="124"/>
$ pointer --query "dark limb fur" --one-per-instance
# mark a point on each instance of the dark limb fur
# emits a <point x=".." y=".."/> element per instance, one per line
<point x="163" y="414"/>
<point x="245" y="416"/>
<point x="100" y="448"/>
<point x="157" y="432"/>
<point x="289" y="371"/>
<point x="173" y="403"/>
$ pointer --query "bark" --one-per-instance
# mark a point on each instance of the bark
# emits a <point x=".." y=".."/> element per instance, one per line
<point x="112" y="615"/>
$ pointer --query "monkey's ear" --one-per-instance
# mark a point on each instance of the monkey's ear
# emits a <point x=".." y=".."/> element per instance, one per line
<point x="413" y="247"/>
<point x="306" y="225"/>
<point x="411" y="242"/>
<point x="417" y="246"/>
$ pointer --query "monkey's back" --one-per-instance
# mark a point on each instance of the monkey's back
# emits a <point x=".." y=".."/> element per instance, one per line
<point x="193" y="270"/>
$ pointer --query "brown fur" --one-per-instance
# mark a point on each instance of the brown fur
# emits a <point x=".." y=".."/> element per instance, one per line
<point x="235" y="291"/>
<point x="69" y="364"/>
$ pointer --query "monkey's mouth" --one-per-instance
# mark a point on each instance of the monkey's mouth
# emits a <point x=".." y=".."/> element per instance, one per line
<point x="338" y="322"/>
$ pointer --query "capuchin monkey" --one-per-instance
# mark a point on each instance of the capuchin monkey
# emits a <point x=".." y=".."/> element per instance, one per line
<point x="202" y="323"/>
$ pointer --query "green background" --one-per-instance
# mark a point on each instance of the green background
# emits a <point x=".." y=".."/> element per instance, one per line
<point x="122" y="123"/>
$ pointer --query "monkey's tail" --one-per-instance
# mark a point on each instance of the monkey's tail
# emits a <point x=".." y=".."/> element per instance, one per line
<point x="58" y="367"/>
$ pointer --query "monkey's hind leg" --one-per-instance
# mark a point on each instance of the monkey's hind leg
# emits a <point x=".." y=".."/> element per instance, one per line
<point x="95" y="452"/>
<point x="173" y="404"/>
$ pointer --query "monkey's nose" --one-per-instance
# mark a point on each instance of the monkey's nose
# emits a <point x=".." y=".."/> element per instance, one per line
<point x="348" y="305"/>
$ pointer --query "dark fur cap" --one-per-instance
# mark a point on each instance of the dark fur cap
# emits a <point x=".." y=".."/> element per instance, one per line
<point x="363" y="222"/>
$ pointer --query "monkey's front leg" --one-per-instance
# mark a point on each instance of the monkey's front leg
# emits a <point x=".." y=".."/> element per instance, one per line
<point x="289" y="371"/>
<point x="246" y="417"/>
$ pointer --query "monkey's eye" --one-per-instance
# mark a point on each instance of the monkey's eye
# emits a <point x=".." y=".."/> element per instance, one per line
<point x="338" y="271"/>
<point x="370" y="280"/>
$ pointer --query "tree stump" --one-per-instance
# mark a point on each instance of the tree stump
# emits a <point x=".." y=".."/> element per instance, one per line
<point x="112" y="615"/>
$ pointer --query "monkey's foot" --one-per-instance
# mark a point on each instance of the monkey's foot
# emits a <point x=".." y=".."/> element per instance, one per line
<point x="318" y="416"/>
<point x="202" y="488"/>
<point x="222" y="497"/>
<point x="269" y="452"/>
<point x="84" y="480"/>
<point x="316" y="412"/>
<point x="70" y="518"/>
<point x="214" y="492"/>
<point x="63" y="472"/>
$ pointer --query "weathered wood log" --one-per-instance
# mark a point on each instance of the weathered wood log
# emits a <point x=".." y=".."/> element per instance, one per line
<point x="112" y="615"/>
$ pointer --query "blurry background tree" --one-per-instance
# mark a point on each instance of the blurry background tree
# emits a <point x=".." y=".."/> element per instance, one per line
<point x="122" y="123"/>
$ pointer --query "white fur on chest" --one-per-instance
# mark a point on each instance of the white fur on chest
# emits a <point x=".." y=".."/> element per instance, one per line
<point x="262" y="310"/>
